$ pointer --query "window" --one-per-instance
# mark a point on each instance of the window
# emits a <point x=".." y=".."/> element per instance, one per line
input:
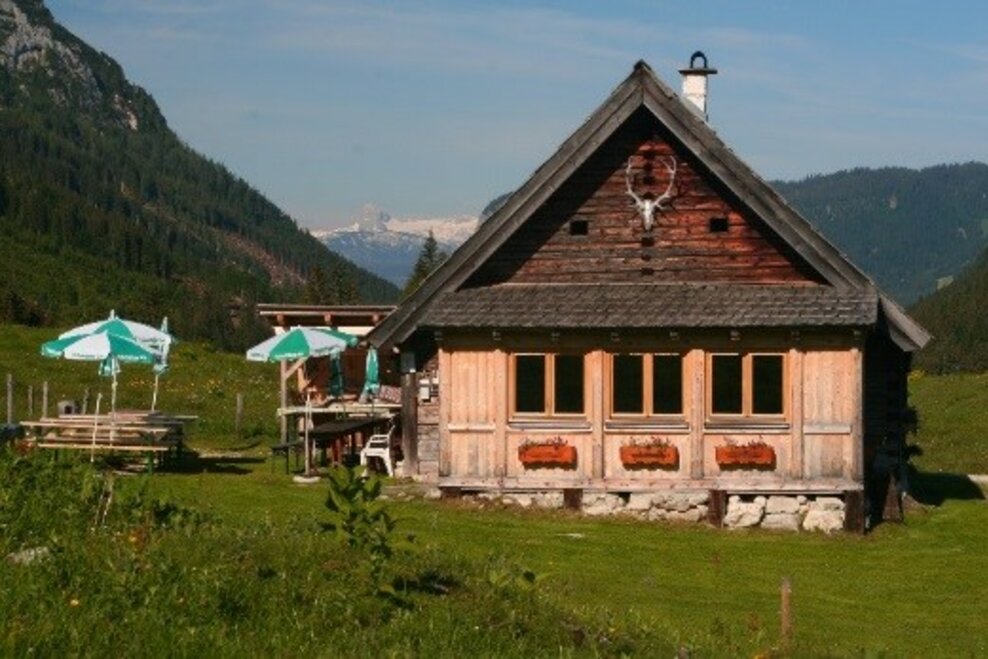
<point x="746" y="384"/>
<point x="646" y="385"/>
<point x="548" y="384"/>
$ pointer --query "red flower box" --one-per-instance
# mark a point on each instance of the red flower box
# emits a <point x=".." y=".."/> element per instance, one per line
<point x="749" y="455"/>
<point x="554" y="455"/>
<point x="644" y="457"/>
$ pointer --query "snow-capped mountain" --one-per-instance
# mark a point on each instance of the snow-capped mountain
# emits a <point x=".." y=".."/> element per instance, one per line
<point x="389" y="246"/>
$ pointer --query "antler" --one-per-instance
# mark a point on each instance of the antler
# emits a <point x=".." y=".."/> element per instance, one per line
<point x="667" y="195"/>
<point x="647" y="207"/>
<point x="631" y="193"/>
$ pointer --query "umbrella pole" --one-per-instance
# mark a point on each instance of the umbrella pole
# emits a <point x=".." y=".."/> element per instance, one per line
<point x="308" y="448"/>
<point x="92" y="451"/>
<point x="154" y="396"/>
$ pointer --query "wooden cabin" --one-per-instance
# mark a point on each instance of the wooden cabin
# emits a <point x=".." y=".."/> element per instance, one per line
<point x="646" y="326"/>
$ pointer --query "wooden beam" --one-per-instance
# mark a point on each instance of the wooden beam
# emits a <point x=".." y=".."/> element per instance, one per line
<point x="500" y="413"/>
<point x="854" y="511"/>
<point x="596" y="375"/>
<point x="696" y="373"/>
<point x="445" y="411"/>
<point x="283" y="400"/>
<point x="717" y="507"/>
<point x="409" y="423"/>
<point x="795" y="371"/>
<point x="857" y="420"/>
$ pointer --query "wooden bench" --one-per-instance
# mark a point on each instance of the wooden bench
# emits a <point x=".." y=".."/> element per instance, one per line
<point x="105" y="435"/>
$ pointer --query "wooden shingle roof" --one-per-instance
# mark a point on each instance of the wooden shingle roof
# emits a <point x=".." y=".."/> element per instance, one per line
<point x="643" y="89"/>
<point x="613" y="306"/>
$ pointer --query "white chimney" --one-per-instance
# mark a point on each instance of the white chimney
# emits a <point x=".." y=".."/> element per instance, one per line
<point x="695" y="81"/>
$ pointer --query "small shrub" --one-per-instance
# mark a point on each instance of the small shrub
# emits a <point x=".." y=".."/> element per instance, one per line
<point x="360" y="519"/>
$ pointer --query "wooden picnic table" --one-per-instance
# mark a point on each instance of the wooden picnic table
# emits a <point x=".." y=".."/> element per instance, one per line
<point x="338" y="437"/>
<point x="107" y="433"/>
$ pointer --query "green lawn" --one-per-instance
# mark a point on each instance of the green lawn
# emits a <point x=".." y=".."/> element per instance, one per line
<point x="953" y="422"/>
<point x="916" y="589"/>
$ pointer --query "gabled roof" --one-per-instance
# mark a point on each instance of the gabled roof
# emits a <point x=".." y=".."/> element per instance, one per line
<point x="643" y="89"/>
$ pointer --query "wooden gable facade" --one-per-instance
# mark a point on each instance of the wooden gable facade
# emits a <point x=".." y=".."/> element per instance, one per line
<point x="726" y="350"/>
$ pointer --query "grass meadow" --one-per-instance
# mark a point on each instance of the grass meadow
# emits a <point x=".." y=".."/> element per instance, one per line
<point x="227" y="556"/>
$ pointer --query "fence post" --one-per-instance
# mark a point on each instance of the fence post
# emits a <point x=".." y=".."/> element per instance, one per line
<point x="44" y="399"/>
<point x="30" y="401"/>
<point x="239" y="420"/>
<point x="785" y="613"/>
<point x="10" y="398"/>
<point x="85" y="401"/>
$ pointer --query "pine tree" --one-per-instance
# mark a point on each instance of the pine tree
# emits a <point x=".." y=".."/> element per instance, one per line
<point x="430" y="258"/>
<point x="318" y="289"/>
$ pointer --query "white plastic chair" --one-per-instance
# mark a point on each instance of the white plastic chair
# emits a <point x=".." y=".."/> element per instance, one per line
<point x="379" y="446"/>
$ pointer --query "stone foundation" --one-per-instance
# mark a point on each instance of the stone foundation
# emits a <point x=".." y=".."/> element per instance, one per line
<point x="787" y="513"/>
<point x="777" y="512"/>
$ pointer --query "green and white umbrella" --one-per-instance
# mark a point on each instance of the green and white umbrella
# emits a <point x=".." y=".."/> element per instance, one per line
<point x="336" y="385"/>
<point x="372" y="375"/>
<point x="301" y="343"/>
<point x="109" y="349"/>
<point x="140" y="333"/>
<point x="161" y="365"/>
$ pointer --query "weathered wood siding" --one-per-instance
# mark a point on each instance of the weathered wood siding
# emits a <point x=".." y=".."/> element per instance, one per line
<point x="681" y="246"/>
<point x="830" y="381"/>
<point x="817" y="443"/>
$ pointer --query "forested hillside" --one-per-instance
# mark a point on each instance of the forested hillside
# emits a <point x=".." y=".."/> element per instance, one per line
<point x="958" y="318"/>
<point x="909" y="229"/>
<point x="102" y="205"/>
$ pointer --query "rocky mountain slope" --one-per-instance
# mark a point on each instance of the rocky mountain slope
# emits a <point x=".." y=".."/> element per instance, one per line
<point x="102" y="205"/>
<point x="389" y="246"/>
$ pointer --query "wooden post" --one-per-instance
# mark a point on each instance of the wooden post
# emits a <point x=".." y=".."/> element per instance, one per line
<point x="283" y="400"/>
<point x="10" y="398"/>
<point x="85" y="401"/>
<point x="717" y="507"/>
<point x="44" y="399"/>
<point x="239" y="420"/>
<point x="409" y="424"/>
<point x="797" y="444"/>
<point x="30" y="401"/>
<point x="697" y="373"/>
<point x="857" y="424"/>
<point x="854" y="514"/>
<point x="500" y="413"/>
<point x="785" y="613"/>
<point x="595" y="374"/>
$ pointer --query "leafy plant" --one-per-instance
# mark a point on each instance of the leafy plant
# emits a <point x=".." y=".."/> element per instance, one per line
<point x="359" y="518"/>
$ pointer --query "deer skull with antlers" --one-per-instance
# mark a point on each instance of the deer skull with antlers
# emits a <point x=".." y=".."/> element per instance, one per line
<point x="647" y="207"/>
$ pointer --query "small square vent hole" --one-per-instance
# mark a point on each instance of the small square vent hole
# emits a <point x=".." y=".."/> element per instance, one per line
<point x="579" y="227"/>
<point x="718" y="225"/>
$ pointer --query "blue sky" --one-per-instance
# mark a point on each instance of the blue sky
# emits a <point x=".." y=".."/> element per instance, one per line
<point x="433" y="108"/>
